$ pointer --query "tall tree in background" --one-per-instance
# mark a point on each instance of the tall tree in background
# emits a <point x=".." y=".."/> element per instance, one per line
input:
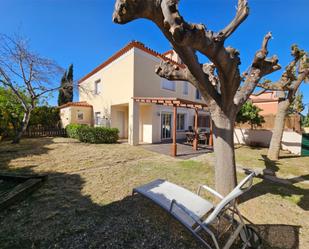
<point x="28" y="75"/>
<point x="288" y="84"/>
<point x="220" y="82"/>
<point x="66" y="87"/>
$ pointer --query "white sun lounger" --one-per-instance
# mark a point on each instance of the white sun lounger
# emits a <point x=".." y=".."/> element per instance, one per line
<point x="197" y="214"/>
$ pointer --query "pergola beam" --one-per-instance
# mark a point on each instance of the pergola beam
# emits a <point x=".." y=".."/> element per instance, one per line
<point x="174" y="144"/>
<point x="171" y="102"/>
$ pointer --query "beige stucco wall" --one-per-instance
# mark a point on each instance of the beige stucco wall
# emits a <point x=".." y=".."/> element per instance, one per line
<point x="116" y="85"/>
<point x="69" y="114"/>
<point x="148" y="84"/>
<point x="121" y="125"/>
<point x="146" y="123"/>
<point x="133" y="75"/>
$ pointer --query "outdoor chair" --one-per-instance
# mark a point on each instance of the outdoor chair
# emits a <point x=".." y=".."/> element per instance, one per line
<point x="202" y="137"/>
<point x="200" y="216"/>
<point x="189" y="137"/>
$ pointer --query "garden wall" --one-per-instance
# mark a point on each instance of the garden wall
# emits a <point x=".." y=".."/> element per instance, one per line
<point x="291" y="140"/>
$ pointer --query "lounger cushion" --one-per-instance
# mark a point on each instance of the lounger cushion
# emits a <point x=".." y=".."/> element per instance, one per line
<point x="163" y="192"/>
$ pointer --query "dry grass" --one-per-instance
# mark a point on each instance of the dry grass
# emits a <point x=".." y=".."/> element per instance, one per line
<point x="87" y="202"/>
<point x="288" y="166"/>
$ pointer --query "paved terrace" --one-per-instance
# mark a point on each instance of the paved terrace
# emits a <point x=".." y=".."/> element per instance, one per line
<point x="184" y="150"/>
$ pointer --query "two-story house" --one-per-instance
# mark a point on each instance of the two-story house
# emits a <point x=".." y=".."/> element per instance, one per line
<point x="108" y="97"/>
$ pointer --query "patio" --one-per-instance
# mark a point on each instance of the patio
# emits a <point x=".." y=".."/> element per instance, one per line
<point x="193" y="137"/>
<point x="184" y="150"/>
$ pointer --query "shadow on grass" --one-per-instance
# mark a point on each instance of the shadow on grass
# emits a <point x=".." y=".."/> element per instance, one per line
<point x="279" y="236"/>
<point x="279" y="186"/>
<point x="59" y="215"/>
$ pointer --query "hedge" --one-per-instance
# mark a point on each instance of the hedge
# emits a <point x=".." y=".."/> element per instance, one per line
<point x="73" y="130"/>
<point x="95" y="135"/>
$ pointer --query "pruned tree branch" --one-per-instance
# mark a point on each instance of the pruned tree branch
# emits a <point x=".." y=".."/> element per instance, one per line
<point x="209" y="69"/>
<point x="241" y="15"/>
<point x="188" y="38"/>
<point x="260" y="67"/>
<point x="293" y="74"/>
<point x="259" y="92"/>
<point x="173" y="72"/>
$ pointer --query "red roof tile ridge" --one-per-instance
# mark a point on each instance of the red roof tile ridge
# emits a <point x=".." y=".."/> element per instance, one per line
<point x="79" y="103"/>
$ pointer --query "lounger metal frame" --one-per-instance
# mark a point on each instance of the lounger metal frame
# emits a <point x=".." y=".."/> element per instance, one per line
<point x="218" y="213"/>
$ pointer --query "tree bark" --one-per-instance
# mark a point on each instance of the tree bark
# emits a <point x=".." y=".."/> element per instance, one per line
<point x="23" y="127"/>
<point x="225" y="170"/>
<point x="275" y="143"/>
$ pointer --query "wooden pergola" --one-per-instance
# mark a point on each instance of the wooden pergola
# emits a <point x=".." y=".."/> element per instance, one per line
<point x="175" y="103"/>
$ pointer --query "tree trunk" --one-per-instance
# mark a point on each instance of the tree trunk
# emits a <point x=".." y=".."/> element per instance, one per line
<point x="275" y="143"/>
<point x="225" y="169"/>
<point x="23" y="127"/>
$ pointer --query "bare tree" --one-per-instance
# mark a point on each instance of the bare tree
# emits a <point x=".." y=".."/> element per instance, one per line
<point x="220" y="82"/>
<point x="27" y="74"/>
<point x="288" y="84"/>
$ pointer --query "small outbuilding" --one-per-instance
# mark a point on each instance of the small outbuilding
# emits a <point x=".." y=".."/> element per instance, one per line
<point x="76" y="113"/>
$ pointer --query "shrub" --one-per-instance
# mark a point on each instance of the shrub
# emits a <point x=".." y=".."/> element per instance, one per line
<point x="73" y="130"/>
<point x="95" y="135"/>
<point x="45" y="116"/>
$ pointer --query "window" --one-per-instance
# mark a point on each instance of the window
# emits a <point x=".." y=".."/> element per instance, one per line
<point x="97" y="87"/>
<point x="198" y="94"/>
<point x="203" y="121"/>
<point x="97" y="118"/>
<point x="180" y="122"/>
<point x="185" y="88"/>
<point x="168" y="85"/>
<point x="80" y="115"/>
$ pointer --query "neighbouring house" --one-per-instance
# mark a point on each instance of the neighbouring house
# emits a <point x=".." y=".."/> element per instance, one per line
<point x="125" y="92"/>
<point x="268" y="103"/>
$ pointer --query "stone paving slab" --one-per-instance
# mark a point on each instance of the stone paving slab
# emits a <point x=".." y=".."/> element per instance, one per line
<point x="184" y="151"/>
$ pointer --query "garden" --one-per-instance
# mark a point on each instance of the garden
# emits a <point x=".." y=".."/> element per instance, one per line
<point x="87" y="203"/>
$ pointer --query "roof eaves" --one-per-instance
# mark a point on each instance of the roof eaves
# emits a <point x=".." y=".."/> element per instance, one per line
<point x="122" y="51"/>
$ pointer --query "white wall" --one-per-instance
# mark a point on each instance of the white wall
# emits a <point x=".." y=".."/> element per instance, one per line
<point x="291" y="141"/>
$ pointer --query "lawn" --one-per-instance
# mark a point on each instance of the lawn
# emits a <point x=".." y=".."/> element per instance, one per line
<point x="87" y="202"/>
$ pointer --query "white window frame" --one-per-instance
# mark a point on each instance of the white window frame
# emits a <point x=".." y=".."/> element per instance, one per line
<point x="178" y="122"/>
<point x="185" y="89"/>
<point x="97" y="90"/>
<point x="97" y="116"/>
<point x="172" y="86"/>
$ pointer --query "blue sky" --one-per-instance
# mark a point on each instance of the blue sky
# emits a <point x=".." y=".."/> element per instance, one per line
<point x="81" y="31"/>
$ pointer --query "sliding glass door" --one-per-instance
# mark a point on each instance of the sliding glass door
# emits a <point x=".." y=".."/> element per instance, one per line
<point x="166" y="125"/>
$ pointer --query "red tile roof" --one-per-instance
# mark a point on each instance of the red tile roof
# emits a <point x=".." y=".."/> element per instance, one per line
<point x="168" y="52"/>
<point x="128" y="47"/>
<point x="81" y="103"/>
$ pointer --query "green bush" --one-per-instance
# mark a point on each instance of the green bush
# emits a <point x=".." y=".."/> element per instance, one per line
<point x="95" y="135"/>
<point x="45" y="116"/>
<point x="73" y="130"/>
